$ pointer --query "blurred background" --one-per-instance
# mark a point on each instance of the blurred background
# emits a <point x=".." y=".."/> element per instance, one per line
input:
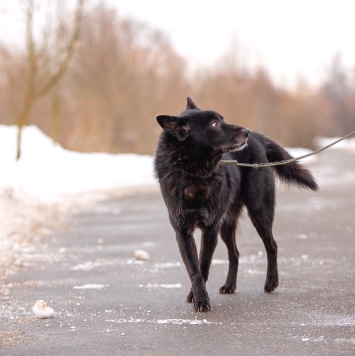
<point x="93" y="75"/>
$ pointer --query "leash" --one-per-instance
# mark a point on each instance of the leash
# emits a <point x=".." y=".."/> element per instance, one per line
<point x="286" y="161"/>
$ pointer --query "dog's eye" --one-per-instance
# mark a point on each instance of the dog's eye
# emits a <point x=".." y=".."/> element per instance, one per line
<point x="215" y="123"/>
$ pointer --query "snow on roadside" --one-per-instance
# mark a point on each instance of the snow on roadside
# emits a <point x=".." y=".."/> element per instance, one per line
<point x="22" y="221"/>
<point x="38" y="191"/>
<point x="47" y="171"/>
<point x="298" y="152"/>
<point x="347" y="144"/>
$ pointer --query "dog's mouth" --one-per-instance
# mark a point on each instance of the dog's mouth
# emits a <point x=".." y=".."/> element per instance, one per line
<point x="240" y="141"/>
<point x="237" y="146"/>
<point x="240" y="146"/>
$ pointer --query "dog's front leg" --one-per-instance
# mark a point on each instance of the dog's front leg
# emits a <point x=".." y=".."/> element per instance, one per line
<point x="208" y="245"/>
<point x="188" y="252"/>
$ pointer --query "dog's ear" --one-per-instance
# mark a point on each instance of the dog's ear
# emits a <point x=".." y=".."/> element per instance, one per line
<point x="174" y="126"/>
<point x="190" y="104"/>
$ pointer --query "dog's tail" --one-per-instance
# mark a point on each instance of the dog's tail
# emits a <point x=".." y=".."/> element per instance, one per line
<point x="292" y="173"/>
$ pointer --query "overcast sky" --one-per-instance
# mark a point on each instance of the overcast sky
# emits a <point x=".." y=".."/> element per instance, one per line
<point x="288" y="37"/>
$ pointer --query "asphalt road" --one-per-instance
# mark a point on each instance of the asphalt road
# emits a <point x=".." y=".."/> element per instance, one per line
<point x="106" y="303"/>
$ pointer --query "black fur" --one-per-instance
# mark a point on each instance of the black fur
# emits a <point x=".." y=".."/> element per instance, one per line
<point x="201" y="193"/>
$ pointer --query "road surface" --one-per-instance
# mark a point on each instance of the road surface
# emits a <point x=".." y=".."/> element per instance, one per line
<point x="107" y="303"/>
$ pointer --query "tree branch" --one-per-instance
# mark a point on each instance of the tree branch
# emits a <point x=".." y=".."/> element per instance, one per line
<point x="53" y="80"/>
<point x="32" y="65"/>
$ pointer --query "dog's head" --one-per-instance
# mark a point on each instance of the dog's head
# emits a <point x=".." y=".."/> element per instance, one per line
<point x="205" y="129"/>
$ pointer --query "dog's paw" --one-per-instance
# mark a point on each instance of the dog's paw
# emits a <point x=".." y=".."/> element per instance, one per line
<point x="227" y="289"/>
<point x="202" y="306"/>
<point x="190" y="297"/>
<point x="271" y="283"/>
<point x="200" y="300"/>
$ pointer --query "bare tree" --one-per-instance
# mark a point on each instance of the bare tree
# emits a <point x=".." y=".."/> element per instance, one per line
<point x="38" y="86"/>
<point x="339" y="92"/>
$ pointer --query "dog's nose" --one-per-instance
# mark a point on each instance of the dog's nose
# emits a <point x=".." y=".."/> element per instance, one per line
<point x="246" y="132"/>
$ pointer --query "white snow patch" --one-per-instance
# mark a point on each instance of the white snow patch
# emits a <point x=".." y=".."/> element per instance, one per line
<point x="156" y="285"/>
<point x="162" y="321"/>
<point x="178" y="285"/>
<point x="141" y="255"/>
<point x="348" y="144"/>
<point x="42" y="311"/>
<point x="91" y="286"/>
<point x="298" y="152"/>
<point x="168" y="265"/>
<point x="134" y="262"/>
<point x="217" y="261"/>
<point x="47" y="170"/>
<point x="86" y="266"/>
<point x="183" y="321"/>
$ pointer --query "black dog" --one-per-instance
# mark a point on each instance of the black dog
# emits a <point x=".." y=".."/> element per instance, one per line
<point x="199" y="192"/>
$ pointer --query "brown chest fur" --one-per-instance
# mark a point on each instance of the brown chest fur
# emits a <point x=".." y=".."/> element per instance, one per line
<point x="197" y="192"/>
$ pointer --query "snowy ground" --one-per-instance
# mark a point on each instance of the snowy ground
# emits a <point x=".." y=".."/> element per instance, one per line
<point x="37" y="192"/>
<point x="49" y="182"/>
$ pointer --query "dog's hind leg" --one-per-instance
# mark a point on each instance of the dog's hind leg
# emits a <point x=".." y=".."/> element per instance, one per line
<point x="198" y="295"/>
<point x="228" y="231"/>
<point x="262" y="220"/>
<point x="259" y="198"/>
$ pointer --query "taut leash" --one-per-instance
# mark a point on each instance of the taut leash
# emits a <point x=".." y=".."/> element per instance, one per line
<point x="286" y="161"/>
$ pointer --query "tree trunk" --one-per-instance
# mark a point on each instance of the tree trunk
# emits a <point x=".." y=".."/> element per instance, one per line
<point x="19" y="140"/>
<point x="34" y="90"/>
